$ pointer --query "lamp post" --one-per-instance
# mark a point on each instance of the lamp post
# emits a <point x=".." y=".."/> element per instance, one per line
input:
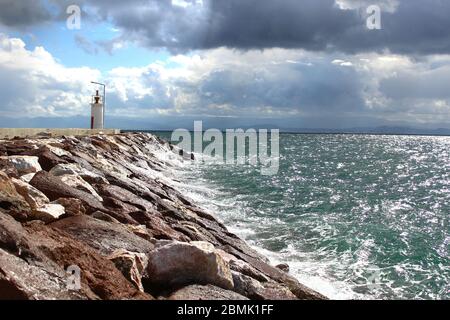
<point x="104" y="99"/>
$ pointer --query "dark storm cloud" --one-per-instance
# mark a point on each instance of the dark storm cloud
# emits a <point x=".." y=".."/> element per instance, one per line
<point x="308" y="24"/>
<point x="415" y="27"/>
<point x="18" y="13"/>
<point x="241" y="24"/>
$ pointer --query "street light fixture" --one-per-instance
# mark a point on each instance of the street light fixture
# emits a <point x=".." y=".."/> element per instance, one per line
<point x="104" y="99"/>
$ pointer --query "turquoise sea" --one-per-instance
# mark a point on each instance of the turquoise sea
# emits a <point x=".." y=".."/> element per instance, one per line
<point x="355" y="216"/>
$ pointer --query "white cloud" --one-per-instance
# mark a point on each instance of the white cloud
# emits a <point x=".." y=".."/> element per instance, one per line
<point x="33" y="84"/>
<point x="342" y="63"/>
<point x="185" y="4"/>
<point x="229" y="83"/>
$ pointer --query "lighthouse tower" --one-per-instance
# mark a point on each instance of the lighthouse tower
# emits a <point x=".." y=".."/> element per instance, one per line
<point x="97" y="110"/>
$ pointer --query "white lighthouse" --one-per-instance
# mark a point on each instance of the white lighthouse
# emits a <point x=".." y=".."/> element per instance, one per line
<point x="97" y="111"/>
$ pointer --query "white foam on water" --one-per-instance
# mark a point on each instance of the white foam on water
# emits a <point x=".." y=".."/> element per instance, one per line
<point x="225" y="207"/>
<point x="300" y="270"/>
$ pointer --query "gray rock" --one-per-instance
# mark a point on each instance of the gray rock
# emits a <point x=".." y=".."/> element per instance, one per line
<point x="11" y="201"/>
<point x="54" y="189"/>
<point x="131" y="264"/>
<point x="33" y="196"/>
<point x="27" y="177"/>
<point x="79" y="183"/>
<point x="253" y="289"/>
<point x="22" y="281"/>
<point x="176" y="264"/>
<point x="48" y="212"/>
<point x="283" y="267"/>
<point x="104" y="217"/>
<point x="76" y="169"/>
<point x="24" y="164"/>
<point x="106" y="237"/>
<point x="208" y="292"/>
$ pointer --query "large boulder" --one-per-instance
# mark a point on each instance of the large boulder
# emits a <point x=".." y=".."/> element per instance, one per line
<point x="54" y="189"/>
<point x="131" y="264"/>
<point x="119" y="206"/>
<point x="113" y="191"/>
<point x="176" y="264"/>
<point x="76" y="169"/>
<point x="14" y="238"/>
<point x="33" y="196"/>
<point x="106" y="237"/>
<point x="39" y="203"/>
<point x="100" y="278"/>
<point x="194" y="232"/>
<point x="120" y="210"/>
<point x="79" y="183"/>
<point x="158" y="227"/>
<point x="26" y="272"/>
<point x="12" y="201"/>
<point x="19" y="147"/>
<point x="208" y="292"/>
<point x="56" y="150"/>
<point x="8" y="167"/>
<point x="256" y="290"/>
<point x="48" y="159"/>
<point x="242" y="266"/>
<point x="22" y="281"/>
<point x="24" y="164"/>
<point x="104" y="217"/>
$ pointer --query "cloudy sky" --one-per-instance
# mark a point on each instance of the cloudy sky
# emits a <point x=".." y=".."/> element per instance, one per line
<point x="289" y="63"/>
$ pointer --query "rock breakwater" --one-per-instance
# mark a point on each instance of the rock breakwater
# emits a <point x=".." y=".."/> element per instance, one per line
<point x="102" y="204"/>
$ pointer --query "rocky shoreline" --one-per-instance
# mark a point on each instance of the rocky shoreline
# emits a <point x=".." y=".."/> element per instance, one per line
<point x="98" y="205"/>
